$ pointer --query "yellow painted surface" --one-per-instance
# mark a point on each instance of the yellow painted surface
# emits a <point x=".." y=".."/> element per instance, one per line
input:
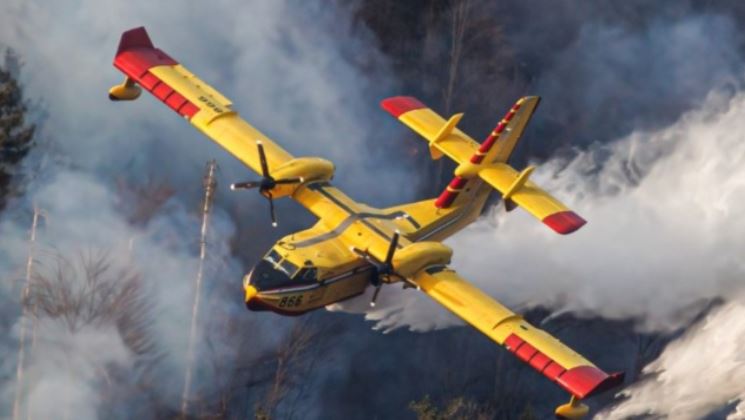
<point x="529" y="196"/>
<point x="454" y="143"/>
<point x="344" y="224"/>
<point x="491" y="317"/>
<point x="502" y="149"/>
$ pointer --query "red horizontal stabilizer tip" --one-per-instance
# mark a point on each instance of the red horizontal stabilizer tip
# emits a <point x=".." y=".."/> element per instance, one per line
<point x="398" y="105"/>
<point x="564" y="222"/>
<point x="134" y="38"/>
<point x="586" y="381"/>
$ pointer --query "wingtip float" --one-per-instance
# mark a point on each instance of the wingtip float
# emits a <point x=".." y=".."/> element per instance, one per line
<point x="353" y="246"/>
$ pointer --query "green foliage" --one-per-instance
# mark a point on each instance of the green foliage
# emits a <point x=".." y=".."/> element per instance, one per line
<point x="16" y="135"/>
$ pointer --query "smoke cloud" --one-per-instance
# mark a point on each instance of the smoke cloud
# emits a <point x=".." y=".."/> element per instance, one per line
<point x="287" y="72"/>
<point x="662" y="242"/>
<point x="663" y="233"/>
<point x="699" y="373"/>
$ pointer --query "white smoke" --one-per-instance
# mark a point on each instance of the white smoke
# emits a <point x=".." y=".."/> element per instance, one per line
<point x="663" y="232"/>
<point x="697" y="374"/>
<point x="68" y="366"/>
<point x="287" y="74"/>
<point x="664" y="236"/>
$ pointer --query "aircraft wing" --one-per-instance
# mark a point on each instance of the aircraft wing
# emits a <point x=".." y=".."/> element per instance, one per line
<point x="212" y="114"/>
<point x="199" y="103"/>
<point x="534" y="346"/>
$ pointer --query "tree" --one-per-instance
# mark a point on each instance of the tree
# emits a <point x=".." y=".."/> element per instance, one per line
<point x="94" y="327"/>
<point x="16" y="135"/>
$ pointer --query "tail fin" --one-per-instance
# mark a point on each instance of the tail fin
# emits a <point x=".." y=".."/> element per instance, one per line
<point x="498" y="146"/>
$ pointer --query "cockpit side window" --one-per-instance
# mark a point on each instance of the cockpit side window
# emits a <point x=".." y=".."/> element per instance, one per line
<point x="273" y="257"/>
<point x="307" y="275"/>
<point x="289" y="268"/>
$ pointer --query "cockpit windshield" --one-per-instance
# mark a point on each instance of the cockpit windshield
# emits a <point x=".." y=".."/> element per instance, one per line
<point x="274" y="272"/>
<point x="266" y="277"/>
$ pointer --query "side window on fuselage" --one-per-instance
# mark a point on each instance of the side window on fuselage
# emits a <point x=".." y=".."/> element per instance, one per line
<point x="307" y="275"/>
<point x="289" y="268"/>
<point x="273" y="257"/>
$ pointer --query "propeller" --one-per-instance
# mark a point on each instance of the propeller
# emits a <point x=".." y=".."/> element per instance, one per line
<point x="266" y="183"/>
<point x="384" y="269"/>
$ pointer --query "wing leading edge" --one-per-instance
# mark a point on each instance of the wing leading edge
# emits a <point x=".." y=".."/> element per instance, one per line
<point x="543" y="352"/>
<point x="202" y="105"/>
<point x="212" y="113"/>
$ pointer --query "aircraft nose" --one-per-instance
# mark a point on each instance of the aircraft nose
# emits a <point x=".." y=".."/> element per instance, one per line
<point x="250" y="292"/>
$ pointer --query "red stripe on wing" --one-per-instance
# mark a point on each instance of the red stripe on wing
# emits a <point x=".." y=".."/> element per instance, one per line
<point x="399" y="105"/>
<point x="581" y="381"/>
<point x="136" y="55"/>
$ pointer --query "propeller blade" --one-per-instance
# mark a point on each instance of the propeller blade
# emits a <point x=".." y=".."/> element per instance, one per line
<point x="375" y="295"/>
<point x="271" y="209"/>
<point x="289" y="181"/>
<point x="245" y="185"/>
<point x="391" y="249"/>
<point x="262" y="159"/>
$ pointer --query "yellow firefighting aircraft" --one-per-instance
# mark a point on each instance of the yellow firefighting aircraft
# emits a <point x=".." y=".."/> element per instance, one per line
<point x="353" y="245"/>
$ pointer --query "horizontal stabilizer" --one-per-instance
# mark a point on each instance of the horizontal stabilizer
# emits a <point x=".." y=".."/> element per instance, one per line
<point x="518" y="189"/>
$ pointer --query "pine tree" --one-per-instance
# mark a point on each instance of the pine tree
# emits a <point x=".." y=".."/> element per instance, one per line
<point x="16" y="135"/>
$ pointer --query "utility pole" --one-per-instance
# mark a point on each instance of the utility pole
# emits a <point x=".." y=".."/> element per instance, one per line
<point x="209" y="191"/>
<point x="24" y="317"/>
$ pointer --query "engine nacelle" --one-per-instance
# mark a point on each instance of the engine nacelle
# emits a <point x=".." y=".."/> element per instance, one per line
<point x="420" y="255"/>
<point x="310" y="169"/>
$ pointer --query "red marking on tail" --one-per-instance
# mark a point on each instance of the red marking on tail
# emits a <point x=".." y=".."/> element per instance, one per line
<point x="458" y="183"/>
<point x="451" y="192"/>
<point x="564" y="222"/>
<point x="445" y="199"/>
<point x="477" y="158"/>
<point x="399" y="105"/>
<point x="492" y="138"/>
